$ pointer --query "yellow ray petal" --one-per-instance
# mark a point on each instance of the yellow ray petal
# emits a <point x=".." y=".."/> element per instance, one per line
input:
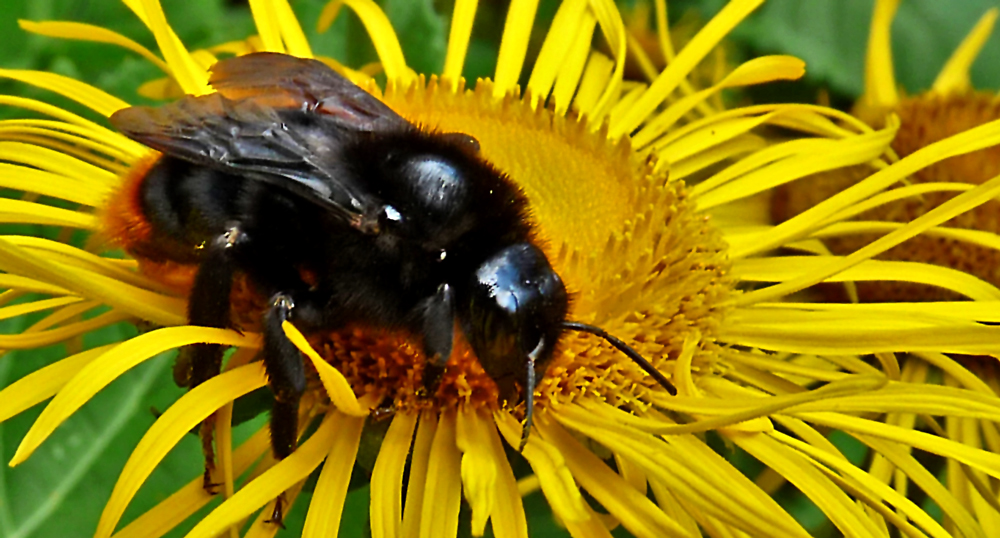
<point x="462" y="19"/>
<point x="558" y="43"/>
<point x="717" y="488"/>
<point x="109" y="366"/>
<point x="842" y="510"/>
<point x="178" y="507"/>
<point x="21" y="212"/>
<point x="507" y="519"/>
<point x="594" y="79"/>
<point x="83" y="93"/>
<point x="546" y="461"/>
<point x="792" y="160"/>
<point x="784" y="268"/>
<point x="514" y="45"/>
<point x="952" y="507"/>
<point x="414" y="507"/>
<point x="881" y="490"/>
<point x="170" y="428"/>
<point x="635" y="511"/>
<point x="336" y="385"/>
<point x="686" y="60"/>
<point x="478" y="469"/>
<point x="386" y="508"/>
<point x="282" y="476"/>
<point x="880" y="79"/>
<point x="756" y="71"/>
<point x="185" y="70"/>
<point x="968" y="141"/>
<point x="89" y="32"/>
<point x="443" y="483"/>
<point x="295" y="39"/>
<point x="954" y="76"/>
<point x="41" y="384"/>
<point x="265" y="18"/>
<point x="610" y="20"/>
<point x="382" y="34"/>
<point x="327" y="506"/>
<point x="944" y="212"/>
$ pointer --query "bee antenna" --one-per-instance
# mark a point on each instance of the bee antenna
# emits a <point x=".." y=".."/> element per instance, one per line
<point x="624" y="348"/>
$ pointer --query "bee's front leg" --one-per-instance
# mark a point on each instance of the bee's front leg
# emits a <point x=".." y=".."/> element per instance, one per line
<point x="436" y="322"/>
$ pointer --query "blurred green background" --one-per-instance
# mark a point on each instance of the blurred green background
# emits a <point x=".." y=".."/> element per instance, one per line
<point x="61" y="490"/>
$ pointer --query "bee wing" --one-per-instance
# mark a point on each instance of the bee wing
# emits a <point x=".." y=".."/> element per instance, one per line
<point x="275" y="118"/>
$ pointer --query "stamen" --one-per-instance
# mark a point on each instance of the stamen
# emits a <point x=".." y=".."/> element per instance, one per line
<point x="628" y="351"/>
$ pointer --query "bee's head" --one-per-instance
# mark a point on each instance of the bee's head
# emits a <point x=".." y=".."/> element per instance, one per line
<point x="516" y="311"/>
<point x="516" y="306"/>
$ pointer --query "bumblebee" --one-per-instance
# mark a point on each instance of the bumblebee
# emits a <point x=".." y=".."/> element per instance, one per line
<point x="340" y="212"/>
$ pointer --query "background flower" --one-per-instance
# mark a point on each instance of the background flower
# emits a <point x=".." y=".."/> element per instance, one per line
<point x="140" y="385"/>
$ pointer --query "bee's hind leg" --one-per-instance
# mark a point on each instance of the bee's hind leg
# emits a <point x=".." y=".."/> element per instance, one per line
<point x="209" y="306"/>
<point x="285" y="373"/>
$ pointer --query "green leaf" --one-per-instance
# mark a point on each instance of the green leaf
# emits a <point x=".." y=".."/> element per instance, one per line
<point x="422" y="33"/>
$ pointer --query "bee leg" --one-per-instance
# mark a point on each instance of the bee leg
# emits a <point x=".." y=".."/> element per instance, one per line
<point x="209" y="307"/>
<point x="436" y="322"/>
<point x="530" y="380"/>
<point x="278" y="512"/>
<point x="286" y="375"/>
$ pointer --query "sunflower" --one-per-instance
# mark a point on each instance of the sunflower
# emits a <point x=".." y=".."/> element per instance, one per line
<point x="651" y="202"/>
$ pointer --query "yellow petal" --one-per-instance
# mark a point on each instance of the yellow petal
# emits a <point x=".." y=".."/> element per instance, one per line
<point x="985" y="135"/>
<point x="507" y="519"/>
<point x="882" y="491"/>
<point x="559" y="41"/>
<point x="513" y="45"/>
<point x="443" y="484"/>
<point x="954" y="76"/>
<point x="716" y="488"/>
<point x="185" y="70"/>
<point x="83" y="93"/>
<point x="944" y="212"/>
<point x="756" y="71"/>
<point x="791" y="160"/>
<point x="327" y="506"/>
<point x="785" y="268"/>
<point x="41" y="384"/>
<point x="382" y="34"/>
<point x="842" y="510"/>
<point x="282" y="476"/>
<point x="479" y="468"/>
<point x="686" y="60"/>
<point x="546" y="461"/>
<point x="170" y="428"/>
<point x="610" y="20"/>
<point x="462" y="19"/>
<point x="880" y="80"/>
<point x="108" y="367"/>
<point x="386" y="509"/>
<point x="336" y="385"/>
<point x="89" y="32"/>
<point x="635" y="511"/>
<point x="266" y="21"/>
<point x="176" y="508"/>
<point x="420" y="461"/>
<point x="291" y="31"/>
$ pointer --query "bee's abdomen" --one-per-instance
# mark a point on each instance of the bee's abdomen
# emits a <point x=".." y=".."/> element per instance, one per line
<point x="167" y="208"/>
